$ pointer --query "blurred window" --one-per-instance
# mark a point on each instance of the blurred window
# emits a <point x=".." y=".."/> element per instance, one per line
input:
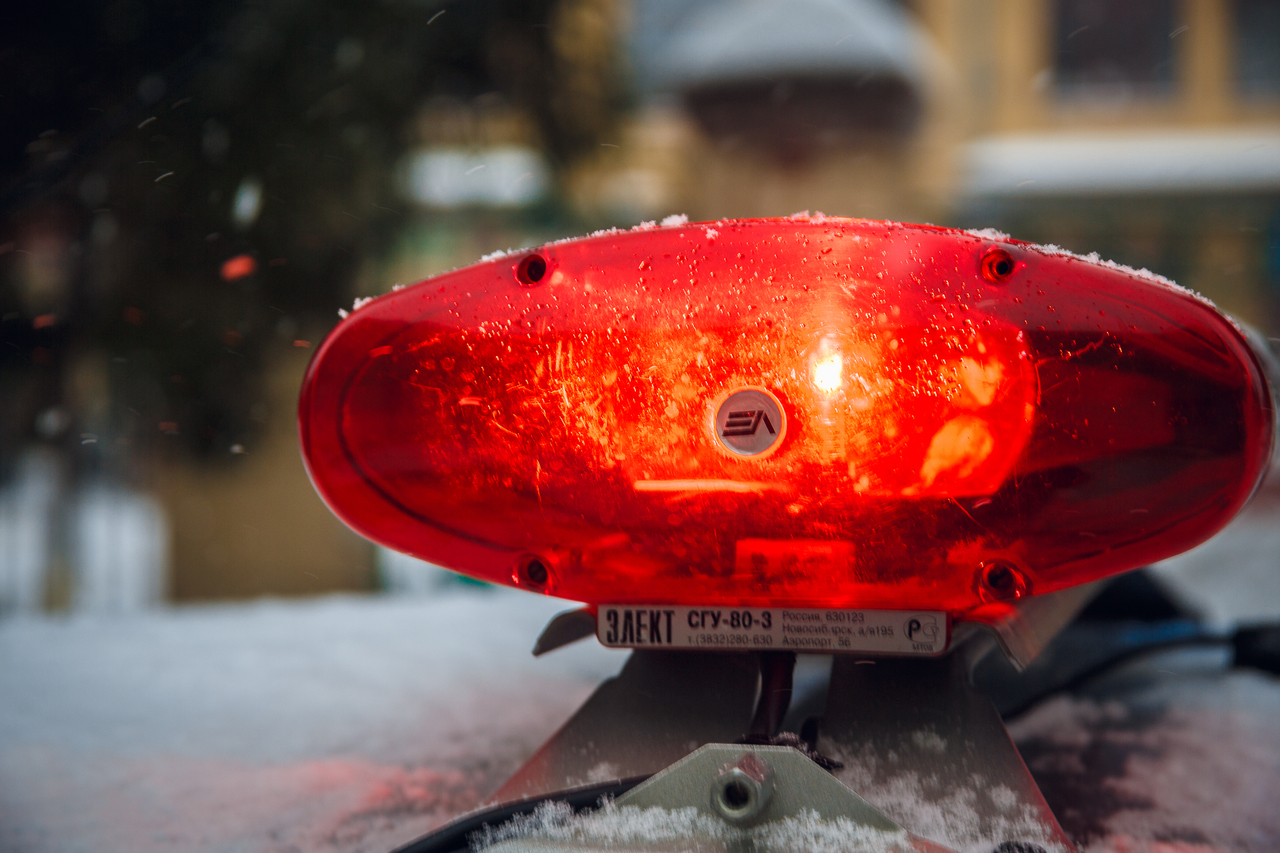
<point x="1114" y="49"/>
<point x="1258" y="46"/>
<point x="504" y="176"/>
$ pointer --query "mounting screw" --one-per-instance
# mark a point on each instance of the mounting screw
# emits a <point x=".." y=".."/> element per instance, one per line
<point x="533" y="571"/>
<point x="741" y="791"/>
<point x="996" y="266"/>
<point x="999" y="580"/>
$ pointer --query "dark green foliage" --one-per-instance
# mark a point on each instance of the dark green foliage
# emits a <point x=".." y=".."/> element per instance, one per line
<point x="126" y="130"/>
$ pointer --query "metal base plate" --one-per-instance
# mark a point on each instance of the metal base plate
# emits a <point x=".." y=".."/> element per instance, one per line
<point x="921" y="744"/>
<point x="658" y="709"/>
<point x="918" y="742"/>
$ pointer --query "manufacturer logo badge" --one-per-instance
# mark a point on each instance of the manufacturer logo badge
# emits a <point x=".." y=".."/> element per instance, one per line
<point x="749" y="422"/>
<point x="746" y="422"/>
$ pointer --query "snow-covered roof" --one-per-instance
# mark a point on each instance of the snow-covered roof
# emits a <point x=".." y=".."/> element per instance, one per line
<point x="682" y="46"/>
<point x="357" y="723"/>
<point x="1114" y="163"/>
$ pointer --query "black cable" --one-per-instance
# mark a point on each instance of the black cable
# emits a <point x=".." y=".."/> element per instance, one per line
<point x="1122" y="656"/>
<point x="1258" y="647"/>
<point x="777" y="670"/>
<point x="777" y="676"/>
<point x="1253" y="646"/>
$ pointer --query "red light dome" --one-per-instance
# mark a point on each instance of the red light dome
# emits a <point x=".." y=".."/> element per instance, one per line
<point x="802" y="412"/>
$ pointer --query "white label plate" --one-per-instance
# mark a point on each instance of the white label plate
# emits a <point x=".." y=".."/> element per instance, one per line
<point x="899" y="632"/>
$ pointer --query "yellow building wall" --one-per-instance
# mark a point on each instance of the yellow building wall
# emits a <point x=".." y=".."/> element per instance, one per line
<point x="253" y="525"/>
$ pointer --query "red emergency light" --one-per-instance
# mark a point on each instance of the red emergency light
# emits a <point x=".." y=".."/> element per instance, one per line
<point x="823" y="413"/>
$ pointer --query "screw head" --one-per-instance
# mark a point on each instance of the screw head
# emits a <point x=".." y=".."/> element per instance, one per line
<point x="741" y="791"/>
<point x="1000" y="580"/>
<point x="534" y="571"/>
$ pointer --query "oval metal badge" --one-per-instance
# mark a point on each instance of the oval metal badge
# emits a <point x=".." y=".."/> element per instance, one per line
<point x="750" y="422"/>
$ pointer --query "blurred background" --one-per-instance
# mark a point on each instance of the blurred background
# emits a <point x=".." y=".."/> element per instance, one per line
<point x="189" y="192"/>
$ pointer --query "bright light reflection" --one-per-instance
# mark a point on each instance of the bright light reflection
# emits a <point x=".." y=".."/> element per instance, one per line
<point x="745" y="487"/>
<point x="826" y="373"/>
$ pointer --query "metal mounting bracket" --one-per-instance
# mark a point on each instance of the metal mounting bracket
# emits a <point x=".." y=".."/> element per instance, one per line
<point x="658" y="709"/>
<point x="917" y="727"/>
<point x="747" y="798"/>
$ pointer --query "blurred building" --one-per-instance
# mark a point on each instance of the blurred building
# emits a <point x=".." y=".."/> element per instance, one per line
<point x="1148" y="131"/>
<point x="1145" y="130"/>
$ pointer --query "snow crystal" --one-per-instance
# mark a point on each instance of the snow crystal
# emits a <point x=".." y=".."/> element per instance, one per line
<point x="929" y="740"/>
<point x="546" y="817"/>
<point x="809" y="832"/>
<point x="611" y="824"/>
<point x="614" y="825"/>
<point x="1145" y="274"/>
<point x="493" y="256"/>
<point x="343" y="313"/>
<point x="604" y="771"/>
<point x="603" y="232"/>
<point x="646" y="225"/>
<point x="712" y="233"/>
<point x="951" y="818"/>
<point x="362" y="301"/>
<point x="1003" y="796"/>
<point x="988" y="234"/>
<point x="1095" y="258"/>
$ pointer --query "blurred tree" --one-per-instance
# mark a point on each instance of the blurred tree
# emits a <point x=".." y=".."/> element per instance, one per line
<point x="182" y="183"/>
